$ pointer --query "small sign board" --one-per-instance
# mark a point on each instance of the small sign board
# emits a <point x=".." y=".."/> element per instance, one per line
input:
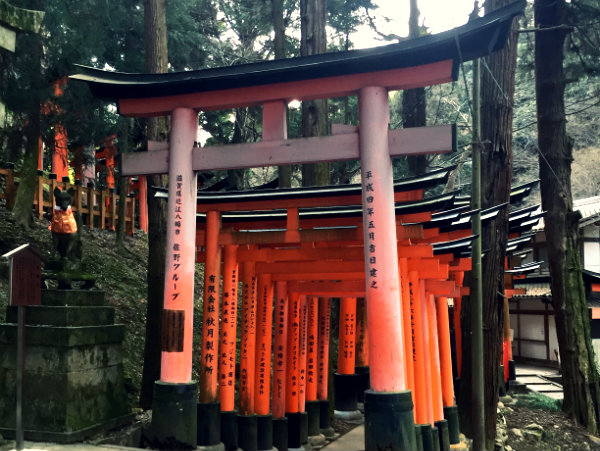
<point x="25" y="271"/>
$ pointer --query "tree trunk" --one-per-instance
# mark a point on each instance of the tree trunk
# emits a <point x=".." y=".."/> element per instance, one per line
<point x="313" y="16"/>
<point x="122" y="188"/>
<point x="580" y="377"/>
<point x="413" y="101"/>
<point x="497" y="93"/>
<point x="155" y="37"/>
<point x="23" y="208"/>
<point x="284" y="172"/>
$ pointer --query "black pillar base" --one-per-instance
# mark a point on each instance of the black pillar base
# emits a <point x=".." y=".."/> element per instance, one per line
<point x="345" y="392"/>
<point x="501" y="382"/>
<point x="435" y="438"/>
<point x="303" y="427"/>
<point x="389" y="421"/>
<point x="174" y="415"/>
<point x="444" y="437"/>
<point x="456" y="383"/>
<point x="313" y="409"/>
<point x="419" y="437"/>
<point x="294" y="430"/>
<point x="451" y="416"/>
<point x="247" y="432"/>
<point x="209" y="423"/>
<point x="363" y="382"/>
<point x="229" y="430"/>
<point x="264" y="427"/>
<point x="512" y="370"/>
<point x="426" y="437"/>
<point x="325" y="420"/>
<point x="280" y="433"/>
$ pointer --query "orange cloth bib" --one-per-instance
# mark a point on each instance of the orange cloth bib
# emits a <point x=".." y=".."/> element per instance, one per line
<point x="63" y="222"/>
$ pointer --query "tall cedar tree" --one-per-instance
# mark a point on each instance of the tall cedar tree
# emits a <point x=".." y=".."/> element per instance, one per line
<point x="31" y="99"/>
<point x="313" y="40"/>
<point x="413" y="100"/>
<point x="284" y="172"/>
<point x="497" y="94"/>
<point x="580" y="376"/>
<point x="155" y="37"/>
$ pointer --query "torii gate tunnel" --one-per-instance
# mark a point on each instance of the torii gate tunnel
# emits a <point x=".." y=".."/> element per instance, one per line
<point x="370" y="74"/>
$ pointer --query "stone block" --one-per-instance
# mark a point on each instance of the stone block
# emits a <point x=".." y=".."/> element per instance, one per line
<point x="73" y="297"/>
<point x="37" y="315"/>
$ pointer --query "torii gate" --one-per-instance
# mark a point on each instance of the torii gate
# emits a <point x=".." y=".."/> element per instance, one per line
<point x="370" y="74"/>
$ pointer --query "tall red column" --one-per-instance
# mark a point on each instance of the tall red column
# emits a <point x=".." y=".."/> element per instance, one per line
<point x="210" y="310"/>
<point x="227" y="355"/>
<point x="323" y="366"/>
<point x="143" y="202"/>
<point x="175" y="386"/>
<point x="280" y="422"/>
<point x="209" y="410"/>
<point x="292" y="394"/>
<point x="388" y="405"/>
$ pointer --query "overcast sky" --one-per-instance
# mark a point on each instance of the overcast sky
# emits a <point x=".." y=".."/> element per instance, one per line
<point x="437" y="15"/>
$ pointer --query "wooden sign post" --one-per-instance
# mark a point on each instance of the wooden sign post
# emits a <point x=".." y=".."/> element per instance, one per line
<point x="25" y="270"/>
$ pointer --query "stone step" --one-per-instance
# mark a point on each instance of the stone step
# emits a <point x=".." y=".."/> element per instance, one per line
<point x="73" y="297"/>
<point x="63" y="336"/>
<point x="55" y="315"/>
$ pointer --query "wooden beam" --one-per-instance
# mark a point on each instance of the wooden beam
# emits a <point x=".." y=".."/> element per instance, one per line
<point x="339" y="147"/>
<point x="337" y="86"/>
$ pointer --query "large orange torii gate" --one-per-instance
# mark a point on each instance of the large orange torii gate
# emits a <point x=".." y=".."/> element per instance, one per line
<point x="313" y="262"/>
<point x="369" y="74"/>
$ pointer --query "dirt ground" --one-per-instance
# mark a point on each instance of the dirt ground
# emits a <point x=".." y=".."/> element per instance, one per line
<point x="540" y="429"/>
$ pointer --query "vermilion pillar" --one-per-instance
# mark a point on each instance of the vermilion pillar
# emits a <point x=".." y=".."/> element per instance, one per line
<point x="247" y="419"/>
<point x="323" y="363"/>
<point x="302" y="370"/>
<point x="409" y="333"/>
<point x="280" y="425"/>
<point x="362" y="350"/>
<point x="345" y="380"/>
<point x="312" y="355"/>
<point x="143" y="202"/>
<point x="388" y="405"/>
<point x="441" y="425"/>
<point x="450" y="409"/>
<point x="209" y="411"/>
<point x="174" y="408"/>
<point x="210" y="307"/>
<point x="293" y="371"/>
<point x="262" y="369"/>
<point x="227" y="355"/>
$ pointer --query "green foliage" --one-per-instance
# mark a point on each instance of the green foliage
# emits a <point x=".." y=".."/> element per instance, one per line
<point x="539" y="401"/>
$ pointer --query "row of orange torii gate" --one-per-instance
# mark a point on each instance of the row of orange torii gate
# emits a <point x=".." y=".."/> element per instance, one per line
<point x="88" y="173"/>
<point x="371" y="244"/>
<point x="290" y="274"/>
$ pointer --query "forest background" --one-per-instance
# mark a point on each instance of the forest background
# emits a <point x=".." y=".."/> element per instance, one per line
<point x="110" y="34"/>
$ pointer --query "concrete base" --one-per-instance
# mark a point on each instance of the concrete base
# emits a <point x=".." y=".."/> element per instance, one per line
<point x="294" y="430"/>
<point x="317" y="441"/>
<point x="218" y="447"/>
<point x="280" y="433"/>
<point x="363" y="382"/>
<point x="264" y="428"/>
<point x="174" y="415"/>
<point x="354" y="416"/>
<point x="247" y="432"/>
<point x="313" y="409"/>
<point x="73" y="382"/>
<point x="451" y="416"/>
<point x="389" y="421"/>
<point x="209" y="424"/>
<point x="345" y="391"/>
<point x="229" y="430"/>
